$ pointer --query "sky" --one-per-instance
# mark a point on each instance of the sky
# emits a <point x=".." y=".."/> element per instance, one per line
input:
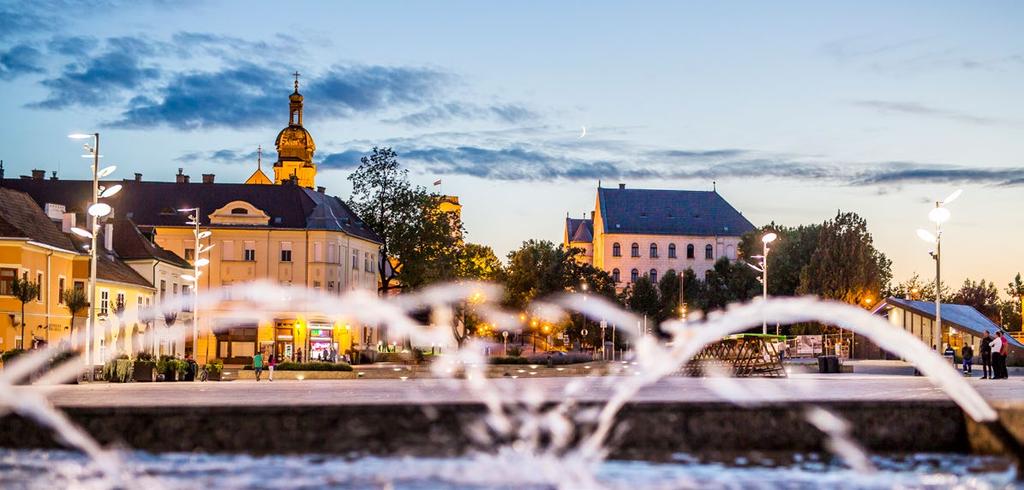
<point x="795" y="110"/>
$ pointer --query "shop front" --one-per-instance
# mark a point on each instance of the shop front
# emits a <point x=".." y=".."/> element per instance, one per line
<point x="237" y="344"/>
<point x="284" y="342"/>
<point x="321" y="341"/>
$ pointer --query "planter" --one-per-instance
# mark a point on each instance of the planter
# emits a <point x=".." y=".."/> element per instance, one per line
<point x="144" y="371"/>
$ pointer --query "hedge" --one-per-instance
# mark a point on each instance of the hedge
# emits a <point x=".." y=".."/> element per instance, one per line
<point x="509" y="360"/>
<point x="306" y="366"/>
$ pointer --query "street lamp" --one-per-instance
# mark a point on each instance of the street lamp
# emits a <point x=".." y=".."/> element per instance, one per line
<point x="197" y="263"/>
<point x="763" y="269"/>
<point x="96" y="211"/>
<point x="938" y="215"/>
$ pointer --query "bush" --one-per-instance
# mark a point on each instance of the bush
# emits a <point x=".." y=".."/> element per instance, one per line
<point x="11" y="354"/>
<point x="396" y="357"/>
<point x="561" y="359"/>
<point x="312" y="366"/>
<point x="509" y="360"/>
<point x="119" y="370"/>
<point x="144" y="356"/>
<point x="215" y="368"/>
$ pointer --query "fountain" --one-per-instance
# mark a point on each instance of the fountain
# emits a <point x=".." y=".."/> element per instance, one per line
<point x="564" y="444"/>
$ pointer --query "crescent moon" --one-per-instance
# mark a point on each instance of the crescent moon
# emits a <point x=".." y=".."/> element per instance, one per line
<point x="583" y="132"/>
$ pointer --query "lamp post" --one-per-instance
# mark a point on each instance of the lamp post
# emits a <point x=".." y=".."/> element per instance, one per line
<point x="197" y="262"/>
<point x="763" y="269"/>
<point x="96" y="211"/>
<point x="938" y="215"/>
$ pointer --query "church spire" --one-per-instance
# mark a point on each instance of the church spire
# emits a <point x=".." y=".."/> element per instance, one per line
<point x="295" y="105"/>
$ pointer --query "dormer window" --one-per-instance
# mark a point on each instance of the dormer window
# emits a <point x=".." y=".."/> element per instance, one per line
<point x="239" y="211"/>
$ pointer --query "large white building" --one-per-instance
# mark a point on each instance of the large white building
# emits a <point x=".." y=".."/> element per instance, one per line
<point x="646" y="232"/>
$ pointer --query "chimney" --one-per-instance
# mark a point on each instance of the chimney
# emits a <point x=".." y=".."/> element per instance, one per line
<point x="208" y="178"/>
<point x="181" y="178"/>
<point x="38" y="174"/>
<point x="53" y="175"/>
<point x="622" y="186"/>
<point x="321" y="189"/>
<point x="108" y="237"/>
<point x="591" y="215"/>
<point x="67" y="222"/>
<point x="138" y="177"/>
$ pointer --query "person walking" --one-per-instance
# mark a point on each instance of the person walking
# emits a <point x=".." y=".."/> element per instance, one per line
<point x="257" y="365"/>
<point x="271" y="362"/>
<point x="967" y="356"/>
<point x="986" y="357"/>
<point x="997" y="356"/>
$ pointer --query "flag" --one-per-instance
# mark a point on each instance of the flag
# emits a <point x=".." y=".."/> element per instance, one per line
<point x="437" y="182"/>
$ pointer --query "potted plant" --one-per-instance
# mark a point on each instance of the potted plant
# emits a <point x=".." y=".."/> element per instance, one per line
<point x="214" y="370"/>
<point x="144" y="368"/>
<point x="167" y="366"/>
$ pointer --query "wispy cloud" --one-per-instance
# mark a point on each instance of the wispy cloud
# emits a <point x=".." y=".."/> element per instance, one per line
<point x="508" y="113"/>
<point x="21" y="59"/>
<point x="916" y="109"/>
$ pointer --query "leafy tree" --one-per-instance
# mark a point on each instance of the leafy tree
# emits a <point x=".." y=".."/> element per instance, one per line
<point x="24" y="291"/>
<point x="845" y="265"/>
<point x="643" y="298"/>
<point x="728" y="282"/>
<point x="789" y="254"/>
<point x="983" y="296"/>
<point x="1015" y="289"/>
<point x="76" y="301"/>
<point x="420" y="241"/>
<point x="917" y="289"/>
<point x="479" y="262"/>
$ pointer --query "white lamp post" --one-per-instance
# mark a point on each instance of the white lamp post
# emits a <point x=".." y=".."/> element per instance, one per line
<point x="96" y="211"/>
<point x="762" y="267"/>
<point x="938" y="215"/>
<point x="197" y="263"/>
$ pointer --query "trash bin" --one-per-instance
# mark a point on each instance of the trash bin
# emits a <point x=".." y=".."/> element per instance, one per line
<point x="828" y="364"/>
<point x="822" y="364"/>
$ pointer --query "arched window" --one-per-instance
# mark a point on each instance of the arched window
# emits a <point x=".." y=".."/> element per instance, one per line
<point x="654" y="250"/>
<point x="635" y="250"/>
<point x="615" y="274"/>
<point x="689" y="251"/>
<point x="654" y="275"/>
<point x="616" y="250"/>
<point x="671" y="250"/>
<point x="634" y="275"/>
<point x="709" y="252"/>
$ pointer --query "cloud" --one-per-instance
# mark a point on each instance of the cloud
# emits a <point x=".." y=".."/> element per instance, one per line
<point x="101" y="80"/>
<point x="249" y="95"/>
<point x="916" y="109"/>
<point x="911" y="173"/>
<point x="72" y="45"/>
<point x="19" y="60"/>
<point x="507" y="113"/>
<point x="227" y="156"/>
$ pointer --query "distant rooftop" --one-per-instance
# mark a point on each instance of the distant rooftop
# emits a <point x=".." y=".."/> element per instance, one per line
<point x="669" y="212"/>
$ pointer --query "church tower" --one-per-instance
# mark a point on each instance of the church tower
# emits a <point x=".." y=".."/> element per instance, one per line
<point x="295" y="147"/>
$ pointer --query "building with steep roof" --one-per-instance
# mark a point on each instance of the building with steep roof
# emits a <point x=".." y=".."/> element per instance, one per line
<point x="961" y="324"/>
<point x="647" y="232"/>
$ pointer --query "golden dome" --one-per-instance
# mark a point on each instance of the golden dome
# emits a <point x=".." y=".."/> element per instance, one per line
<point x="295" y="142"/>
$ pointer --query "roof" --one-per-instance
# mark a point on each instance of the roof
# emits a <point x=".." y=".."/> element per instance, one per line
<point x="131" y="244"/>
<point x="21" y="217"/>
<point x="258" y="178"/>
<point x="109" y="266"/>
<point x="579" y="230"/>
<point x="669" y="212"/>
<point x="150" y="204"/>
<point x="965" y="317"/>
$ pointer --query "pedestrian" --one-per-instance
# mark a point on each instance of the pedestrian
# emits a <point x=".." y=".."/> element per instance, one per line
<point x="257" y="365"/>
<point x="1004" y="352"/>
<point x="986" y="357"/>
<point x="967" y="356"/>
<point x="270" y="367"/>
<point x="298" y="356"/>
<point x="997" y="356"/>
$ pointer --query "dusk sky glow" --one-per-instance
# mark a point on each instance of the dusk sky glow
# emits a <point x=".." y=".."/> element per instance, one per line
<point x="795" y="109"/>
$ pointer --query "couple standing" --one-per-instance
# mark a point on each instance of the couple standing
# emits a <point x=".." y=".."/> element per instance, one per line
<point x="993" y="353"/>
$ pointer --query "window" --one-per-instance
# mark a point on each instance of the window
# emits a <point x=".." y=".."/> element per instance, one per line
<point x="79" y="285"/>
<point x="615" y="275"/>
<point x="366" y="261"/>
<point x="653" y="275"/>
<point x="104" y="302"/>
<point x="671" y="250"/>
<point x="39" y="282"/>
<point x="228" y="252"/>
<point x="138" y="302"/>
<point x="249" y="251"/>
<point x="689" y="251"/>
<point x="316" y="285"/>
<point x="286" y="251"/>
<point x="616" y="250"/>
<point x="635" y="250"/>
<point x="634" y="275"/>
<point x="355" y="260"/>
<point x="654" y="250"/>
<point x="60" y="290"/>
<point x="709" y="252"/>
<point x="330" y="285"/>
<point x="330" y="253"/>
<point x="318" y="252"/>
<point x="7" y="277"/>
<point x="163" y="289"/>
<point x="174" y="289"/>
<point x="190" y="253"/>
<point x="120" y="303"/>
<point x="239" y="211"/>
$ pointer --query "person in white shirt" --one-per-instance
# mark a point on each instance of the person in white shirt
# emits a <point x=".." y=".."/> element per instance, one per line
<point x="998" y="357"/>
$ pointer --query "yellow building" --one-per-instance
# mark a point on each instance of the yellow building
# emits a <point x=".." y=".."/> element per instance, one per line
<point x="288" y="233"/>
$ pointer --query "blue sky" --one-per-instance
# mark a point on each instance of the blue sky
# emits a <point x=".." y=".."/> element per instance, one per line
<point x="796" y="109"/>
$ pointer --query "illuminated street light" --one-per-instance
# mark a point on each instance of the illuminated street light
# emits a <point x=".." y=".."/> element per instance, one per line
<point x="110" y="191"/>
<point x="938" y="215"/>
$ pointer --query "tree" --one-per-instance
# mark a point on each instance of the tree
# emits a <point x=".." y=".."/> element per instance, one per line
<point x="790" y="253"/>
<point x="643" y="298"/>
<point x="845" y="265"/>
<point x="76" y="302"/>
<point x="983" y="296"/>
<point x="916" y="289"/>
<point x="728" y="282"/>
<point x="478" y="262"/>
<point x="1015" y="289"/>
<point x="420" y="241"/>
<point x="24" y="291"/>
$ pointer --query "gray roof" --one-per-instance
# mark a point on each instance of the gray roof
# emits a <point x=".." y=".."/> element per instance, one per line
<point x="669" y="212"/>
<point x="579" y="230"/>
<point x="964" y="317"/>
<point x="20" y="217"/>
